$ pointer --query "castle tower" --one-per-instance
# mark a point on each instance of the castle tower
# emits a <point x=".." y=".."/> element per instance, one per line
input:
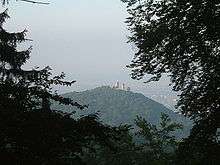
<point x="117" y="85"/>
<point x="123" y="87"/>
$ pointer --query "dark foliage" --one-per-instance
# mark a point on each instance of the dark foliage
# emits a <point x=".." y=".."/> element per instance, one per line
<point x="39" y="137"/>
<point x="30" y="131"/>
<point x="182" y="38"/>
<point x="159" y="143"/>
<point x="157" y="147"/>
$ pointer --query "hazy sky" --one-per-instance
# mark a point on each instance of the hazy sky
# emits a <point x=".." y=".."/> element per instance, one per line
<point x="84" y="38"/>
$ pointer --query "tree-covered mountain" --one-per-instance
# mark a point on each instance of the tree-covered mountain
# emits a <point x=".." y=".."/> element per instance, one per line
<point x="117" y="107"/>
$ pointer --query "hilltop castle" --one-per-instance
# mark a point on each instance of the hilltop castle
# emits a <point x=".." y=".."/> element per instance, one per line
<point x="121" y="87"/>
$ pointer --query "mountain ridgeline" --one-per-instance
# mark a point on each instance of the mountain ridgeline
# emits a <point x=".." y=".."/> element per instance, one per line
<point x="117" y="107"/>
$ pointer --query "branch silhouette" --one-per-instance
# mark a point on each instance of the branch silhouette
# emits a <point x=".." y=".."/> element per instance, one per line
<point x="37" y="2"/>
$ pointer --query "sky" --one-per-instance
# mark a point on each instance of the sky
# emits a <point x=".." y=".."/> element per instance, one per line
<point x="86" y="39"/>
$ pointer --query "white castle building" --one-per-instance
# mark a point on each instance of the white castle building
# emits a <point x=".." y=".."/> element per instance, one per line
<point x="121" y="87"/>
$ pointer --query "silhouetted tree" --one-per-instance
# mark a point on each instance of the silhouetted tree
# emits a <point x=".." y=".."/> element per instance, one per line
<point x="159" y="143"/>
<point x="123" y="153"/>
<point x="30" y="131"/>
<point x="149" y="144"/>
<point x="181" y="38"/>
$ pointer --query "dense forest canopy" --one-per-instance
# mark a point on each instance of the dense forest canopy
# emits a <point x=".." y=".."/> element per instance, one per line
<point x="182" y="38"/>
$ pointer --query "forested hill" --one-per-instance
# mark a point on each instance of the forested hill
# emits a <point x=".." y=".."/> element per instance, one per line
<point x="118" y="106"/>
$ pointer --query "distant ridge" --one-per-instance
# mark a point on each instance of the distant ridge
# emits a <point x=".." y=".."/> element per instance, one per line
<point x="117" y="106"/>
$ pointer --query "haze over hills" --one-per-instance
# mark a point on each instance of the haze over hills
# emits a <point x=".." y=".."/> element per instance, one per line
<point x="116" y="106"/>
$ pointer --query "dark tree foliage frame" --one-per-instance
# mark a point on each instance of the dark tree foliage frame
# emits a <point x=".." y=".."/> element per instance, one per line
<point x="30" y="131"/>
<point x="181" y="38"/>
<point x="25" y="89"/>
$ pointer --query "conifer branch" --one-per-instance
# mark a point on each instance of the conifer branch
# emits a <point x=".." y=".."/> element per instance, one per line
<point x="37" y="2"/>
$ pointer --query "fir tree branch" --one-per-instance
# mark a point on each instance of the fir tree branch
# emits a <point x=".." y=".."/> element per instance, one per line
<point x="37" y="2"/>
